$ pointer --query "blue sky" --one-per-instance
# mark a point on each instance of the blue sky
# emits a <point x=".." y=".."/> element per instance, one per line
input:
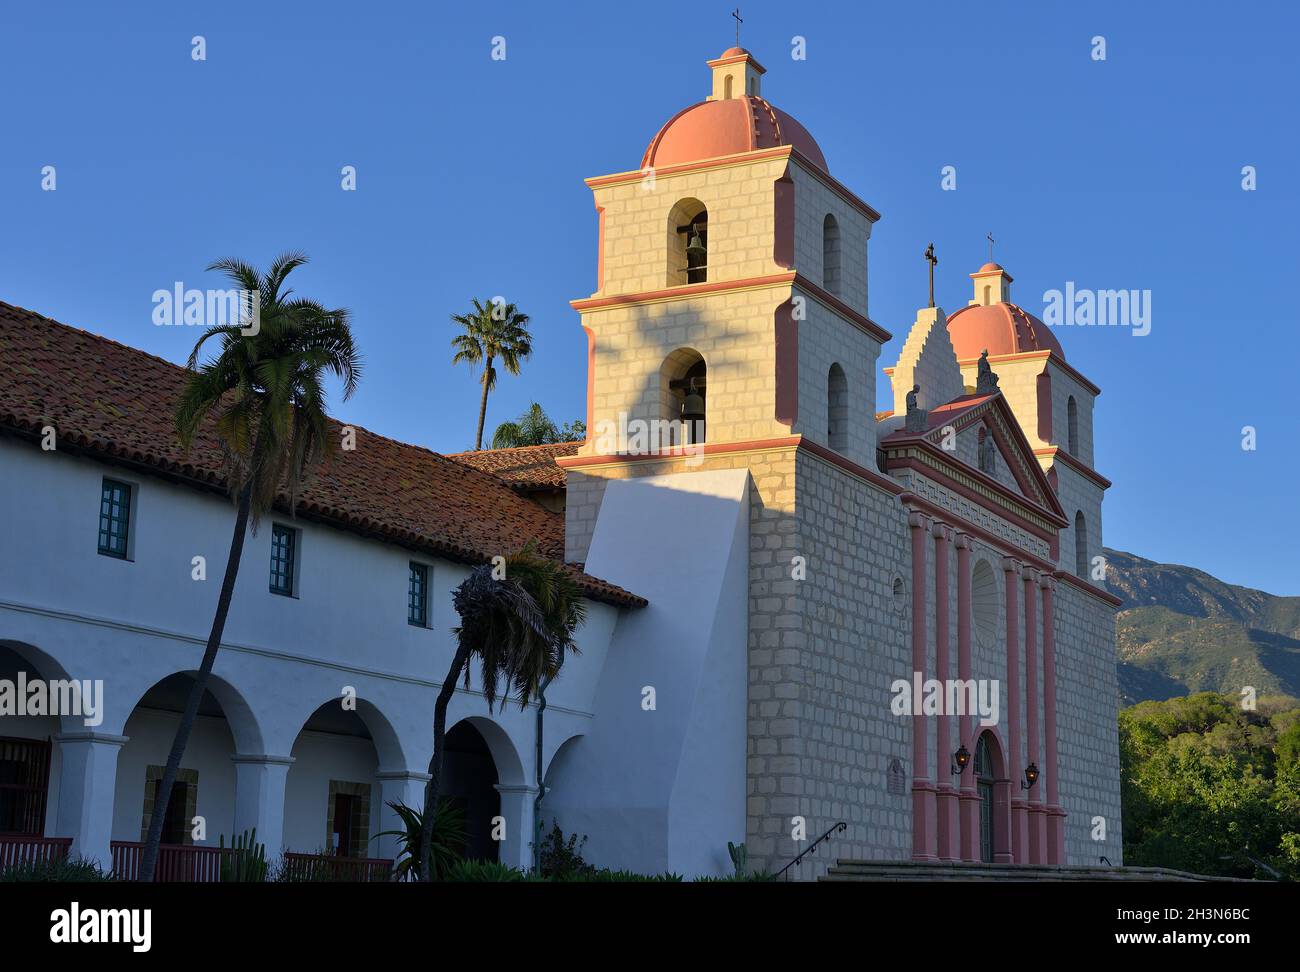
<point x="1117" y="174"/>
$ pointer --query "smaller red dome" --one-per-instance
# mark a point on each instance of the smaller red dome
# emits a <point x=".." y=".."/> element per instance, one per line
<point x="1002" y="328"/>
<point x="734" y="52"/>
<point x="989" y="268"/>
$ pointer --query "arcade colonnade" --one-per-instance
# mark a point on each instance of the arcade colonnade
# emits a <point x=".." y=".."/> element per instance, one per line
<point x="270" y="762"/>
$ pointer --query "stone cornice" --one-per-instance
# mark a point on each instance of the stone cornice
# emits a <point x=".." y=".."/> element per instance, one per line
<point x="1082" y="468"/>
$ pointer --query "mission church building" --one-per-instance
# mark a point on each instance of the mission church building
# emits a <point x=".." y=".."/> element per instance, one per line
<point x="756" y="591"/>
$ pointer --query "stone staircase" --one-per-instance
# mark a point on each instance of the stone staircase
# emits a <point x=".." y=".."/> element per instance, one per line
<point x="851" y="870"/>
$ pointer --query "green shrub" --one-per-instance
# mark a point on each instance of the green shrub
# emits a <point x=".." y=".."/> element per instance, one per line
<point x="560" y="859"/>
<point x="483" y="871"/>
<point x="70" y="869"/>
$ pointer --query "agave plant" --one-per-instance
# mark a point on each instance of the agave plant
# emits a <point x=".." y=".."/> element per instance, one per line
<point x="448" y="840"/>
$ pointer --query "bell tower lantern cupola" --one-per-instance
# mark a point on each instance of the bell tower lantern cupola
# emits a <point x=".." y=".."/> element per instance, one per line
<point x="736" y="73"/>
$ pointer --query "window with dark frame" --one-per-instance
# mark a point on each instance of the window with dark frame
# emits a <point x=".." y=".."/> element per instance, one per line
<point x="417" y="599"/>
<point x="283" y="543"/>
<point x="114" y="518"/>
<point x="24" y="784"/>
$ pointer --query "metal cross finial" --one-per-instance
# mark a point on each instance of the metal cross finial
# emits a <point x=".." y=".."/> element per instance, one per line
<point x="933" y="261"/>
<point x="736" y="13"/>
<point x="990" y="238"/>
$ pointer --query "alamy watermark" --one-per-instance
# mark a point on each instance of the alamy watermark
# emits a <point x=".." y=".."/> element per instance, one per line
<point x="1073" y="306"/>
<point x="651" y="437"/>
<point x="208" y="308"/>
<point x="56" y="697"/>
<point x="953" y="696"/>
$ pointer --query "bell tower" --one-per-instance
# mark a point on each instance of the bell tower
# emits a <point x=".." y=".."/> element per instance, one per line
<point x="731" y="298"/>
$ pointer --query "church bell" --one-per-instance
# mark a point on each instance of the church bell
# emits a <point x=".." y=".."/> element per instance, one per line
<point x="695" y="248"/>
<point x="693" y="405"/>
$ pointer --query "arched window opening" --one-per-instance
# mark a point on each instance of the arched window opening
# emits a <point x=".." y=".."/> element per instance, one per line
<point x="1072" y="413"/>
<point x="688" y="243"/>
<point x="1080" y="545"/>
<point x="726" y="87"/>
<point x="837" y="408"/>
<point x="831" y="254"/>
<point x="984" y="603"/>
<point x="684" y="391"/>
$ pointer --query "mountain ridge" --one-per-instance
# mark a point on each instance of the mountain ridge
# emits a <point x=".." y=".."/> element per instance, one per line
<point x="1182" y="630"/>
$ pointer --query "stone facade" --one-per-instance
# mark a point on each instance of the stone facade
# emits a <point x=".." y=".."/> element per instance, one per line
<point x="839" y="606"/>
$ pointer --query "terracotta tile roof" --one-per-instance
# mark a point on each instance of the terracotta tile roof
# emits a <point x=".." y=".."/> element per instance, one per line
<point x="115" y="403"/>
<point x="525" y="467"/>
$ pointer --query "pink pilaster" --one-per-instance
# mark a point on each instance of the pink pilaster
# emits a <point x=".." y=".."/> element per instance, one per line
<point x="946" y="798"/>
<point x="968" y="798"/>
<point x="1015" y="755"/>
<point x="1055" y="815"/>
<point x="924" y="826"/>
<point x="1037" y="821"/>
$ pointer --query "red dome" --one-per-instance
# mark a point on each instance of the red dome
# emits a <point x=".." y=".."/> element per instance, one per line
<point x="713" y="128"/>
<point x="1001" y="329"/>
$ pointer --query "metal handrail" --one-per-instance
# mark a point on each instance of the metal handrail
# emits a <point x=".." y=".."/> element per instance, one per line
<point x="839" y="827"/>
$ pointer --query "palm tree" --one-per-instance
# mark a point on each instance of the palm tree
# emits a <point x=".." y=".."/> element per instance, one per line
<point x="519" y="626"/>
<point x="535" y="427"/>
<point x="264" y="395"/>
<point x="494" y="331"/>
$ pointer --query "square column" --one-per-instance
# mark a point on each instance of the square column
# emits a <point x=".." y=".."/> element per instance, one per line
<point x="1015" y="755"/>
<point x="1037" y="820"/>
<point x="403" y="787"/>
<point x="946" y="798"/>
<point x="259" y="798"/>
<point x="516" y="849"/>
<point x="1055" y="815"/>
<point x="924" y="810"/>
<point x="968" y="809"/>
<point x="87" y="787"/>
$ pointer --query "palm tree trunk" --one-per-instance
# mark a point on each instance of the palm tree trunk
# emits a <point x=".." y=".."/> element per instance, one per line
<point x="149" y="856"/>
<point x="482" y="407"/>
<point x="435" y="762"/>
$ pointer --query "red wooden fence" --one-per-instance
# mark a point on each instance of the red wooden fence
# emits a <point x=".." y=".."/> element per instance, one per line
<point x="176" y="862"/>
<point x="196" y="863"/>
<point x="19" y="849"/>
<point x="322" y="867"/>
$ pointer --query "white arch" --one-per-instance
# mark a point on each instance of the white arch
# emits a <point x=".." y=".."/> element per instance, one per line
<point x="45" y="666"/>
<point x="387" y="742"/>
<point x="510" y="768"/>
<point x="245" y="727"/>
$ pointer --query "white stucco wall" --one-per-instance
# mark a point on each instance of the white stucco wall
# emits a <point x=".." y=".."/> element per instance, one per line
<point x="66" y="609"/>
<point x="664" y="789"/>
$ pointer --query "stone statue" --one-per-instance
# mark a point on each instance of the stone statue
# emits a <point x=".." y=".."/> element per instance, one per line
<point x="988" y="455"/>
<point x="986" y="382"/>
<point x="917" y="418"/>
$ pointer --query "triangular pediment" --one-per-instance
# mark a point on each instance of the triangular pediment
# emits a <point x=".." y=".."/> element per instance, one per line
<point x="953" y="433"/>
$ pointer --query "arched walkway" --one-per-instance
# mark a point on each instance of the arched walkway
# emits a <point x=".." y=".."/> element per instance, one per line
<point x="470" y="780"/>
<point x="29" y="751"/>
<point x="334" y="796"/>
<point x="205" y="784"/>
